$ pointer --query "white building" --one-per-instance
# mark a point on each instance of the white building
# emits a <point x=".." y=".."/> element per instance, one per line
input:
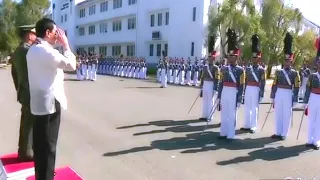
<point x="135" y="27"/>
<point x="308" y="25"/>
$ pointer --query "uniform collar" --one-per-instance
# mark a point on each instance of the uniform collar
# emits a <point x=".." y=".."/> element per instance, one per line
<point x="42" y="41"/>
<point x="26" y="44"/>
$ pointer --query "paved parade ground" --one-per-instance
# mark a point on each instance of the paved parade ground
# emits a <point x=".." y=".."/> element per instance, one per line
<point x="125" y="129"/>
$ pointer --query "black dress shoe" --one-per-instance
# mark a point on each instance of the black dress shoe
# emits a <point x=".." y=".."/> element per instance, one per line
<point x="309" y="145"/>
<point x="316" y="147"/>
<point x="275" y="136"/>
<point x="222" y="137"/>
<point x="244" y="129"/>
<point x="282" y="138"/>
<point x="252" y="131"/>
<point x="161" y="87"/>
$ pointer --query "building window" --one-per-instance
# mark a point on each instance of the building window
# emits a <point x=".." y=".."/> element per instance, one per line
<point x="61" y="19"/>
<point x="81" y="50"/>
<point x="116" y="50"/>
<point x="92" y="29"/>
<point x="81" y="31"/>
<point x="152" y="20"/>
<point x="131" y="2"/>
<point x="151" y="47"/>
<point x="166" y="49"/>
<point x="116" y="25"/>
<point x="167" y="18"/>
<point x="132" y="23"/>
<point x="103" y="50"/>
<point x="92" y="10"/>
<point x="158" y="50"/>
<point x="104" y="6"/>
<point x="91" y="49"/>
<point x="117" y="4"/>
<point x="194" y="14"/>
<point x="130" y="50"/>
<point x="82" y="13"/>
<point x="160" y="19"/>
<point x="192" y="49"/>
<point x="103" y="27"/>
<point x="65" y="18"/>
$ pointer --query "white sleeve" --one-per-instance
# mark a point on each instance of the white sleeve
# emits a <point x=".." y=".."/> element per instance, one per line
<point x="66" y="62"/>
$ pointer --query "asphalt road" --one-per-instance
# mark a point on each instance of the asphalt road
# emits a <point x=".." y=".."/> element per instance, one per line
<point x="124" y="129"/>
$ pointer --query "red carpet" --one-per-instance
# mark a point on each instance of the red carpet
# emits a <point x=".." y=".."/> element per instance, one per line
<point x="11" y="163"/>
<point x="65" y="173"/>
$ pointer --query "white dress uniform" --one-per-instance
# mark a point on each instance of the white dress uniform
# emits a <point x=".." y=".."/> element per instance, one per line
<point x="254" y="91"/>
<point x="188" y="76"/>
<point x="195" y="77"/>
<point x="232" y="81"/>
<point x="209" y="82"/>
<point x="284" y="92"/>
<point x="182" y="73"/>
<point x="312" y="98"/>
<point x="164" y="68"/>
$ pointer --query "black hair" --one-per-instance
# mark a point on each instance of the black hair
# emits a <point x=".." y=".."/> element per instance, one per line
<point x="43" y="25"/>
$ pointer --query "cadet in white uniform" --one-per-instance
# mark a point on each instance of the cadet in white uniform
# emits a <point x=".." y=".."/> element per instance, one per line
<point x="231" y="86"/>
<point x="284" y="92"/>
<point x="312" y="98"/>
<point x="254" y="91"/>
<point x="209" y="84"/>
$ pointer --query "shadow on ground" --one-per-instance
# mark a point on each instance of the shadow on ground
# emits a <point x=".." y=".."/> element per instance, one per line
<point x="142" y="87"/>
<point x="198" y="141"/>
<point x="71" y="79"/>
<point x="268" y="154"/>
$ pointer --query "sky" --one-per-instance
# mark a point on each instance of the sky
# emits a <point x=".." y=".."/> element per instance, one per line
<point x="309" y="9"/>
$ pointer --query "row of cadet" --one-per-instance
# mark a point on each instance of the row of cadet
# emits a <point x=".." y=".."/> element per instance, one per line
<point x="130" y="67"/>
<point x="90" y="65"/>
<point x="179" y="72"/>
<point x="87" y="67"/>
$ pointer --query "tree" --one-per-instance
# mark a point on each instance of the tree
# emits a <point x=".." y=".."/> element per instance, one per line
<point x="14" y="14"/>
<point x="30" y="11"/>
<point x="304" y="48"/>
<point x="8" y="37"/>
<point x="277" y="19"/>
<point x="239" y="15"/>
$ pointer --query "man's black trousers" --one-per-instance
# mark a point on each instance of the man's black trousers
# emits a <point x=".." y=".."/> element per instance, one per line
<point x="45" y="136"/>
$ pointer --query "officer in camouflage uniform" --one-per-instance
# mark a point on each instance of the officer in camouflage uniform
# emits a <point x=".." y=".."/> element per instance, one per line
<point x="231" y="86"/>
<point x="254" y="91"/>
<point x="284" y="92"/>
<point x="209" y="84"/>
<point x="19" y="73"/>
<point x="312" y="98"/>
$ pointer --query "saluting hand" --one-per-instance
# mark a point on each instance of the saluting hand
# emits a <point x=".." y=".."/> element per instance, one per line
<point x="62" y="38"/>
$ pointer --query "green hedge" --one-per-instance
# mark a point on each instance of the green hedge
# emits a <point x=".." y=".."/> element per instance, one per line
<point x="152" y="71"/>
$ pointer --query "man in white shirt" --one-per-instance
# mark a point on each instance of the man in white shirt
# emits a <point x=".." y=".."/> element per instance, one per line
<point x="47" y="96"/>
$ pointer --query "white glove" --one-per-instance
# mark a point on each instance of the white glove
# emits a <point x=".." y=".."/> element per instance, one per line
<point x="238" y="104"/>
<point x="305" y="106"/>
<point x="260" y="100"/>
<point x="272" y="101"/>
